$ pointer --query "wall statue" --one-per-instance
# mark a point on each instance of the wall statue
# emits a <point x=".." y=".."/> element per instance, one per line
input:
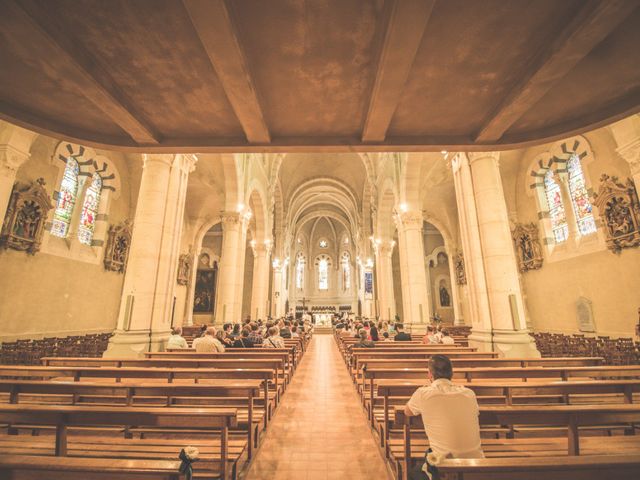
<point x="461" y="275"/>
<point x="24" y="221"/>
<point x="184" y="269"/>
<point x="445" y="299"/>
<point x="118" y="244"/>
<point x="619" y="211"/>
<point x="528" y="247"/>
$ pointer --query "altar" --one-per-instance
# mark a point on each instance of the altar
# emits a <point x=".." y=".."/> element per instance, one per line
<point x="322" y="319"/>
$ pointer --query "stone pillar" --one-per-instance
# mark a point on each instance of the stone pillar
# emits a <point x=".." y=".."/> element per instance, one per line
<point x="191" y="288"/>
<point x="260" y="287"/>
<point x="278" y="294"/>
<point x="510" y="334"/>
<point x="149" y="283"/>
<point x="414" y="278"/>
<point x="455" y="299"/>
<point x="11" y="159"/>
<point x="240" y="264"/>
<point x="227" y="283"/>
<point x="384" y="269"/>
<point x="476" y="280"/>
<point x="627" y="135"/>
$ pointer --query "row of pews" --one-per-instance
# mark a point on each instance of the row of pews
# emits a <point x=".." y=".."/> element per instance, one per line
<point x="615" y="351"/>
<point x="564" y="418"/>
<point x="29" y="352"/>
<point x="78" y="417"/>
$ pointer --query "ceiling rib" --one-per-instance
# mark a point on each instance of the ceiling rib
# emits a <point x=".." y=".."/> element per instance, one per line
<point x="406" y="22"/>
<point x="99" y="87"/>
<point x="587" y="28"/>
<point x="212" y="22"/>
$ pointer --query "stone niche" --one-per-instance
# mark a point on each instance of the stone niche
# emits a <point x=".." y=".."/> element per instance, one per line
<point x="118" y="245"/>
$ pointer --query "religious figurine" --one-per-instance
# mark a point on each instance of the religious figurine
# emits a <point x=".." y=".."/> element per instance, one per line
<point x="619" y="211"/>
<point x="118" y="244"/>
<point x="184" y="269"/>
<point x="445" y="300"/>
<point x="461" y="275"/>
<point x="23" y="224"/>
<point x="528" y="247"/>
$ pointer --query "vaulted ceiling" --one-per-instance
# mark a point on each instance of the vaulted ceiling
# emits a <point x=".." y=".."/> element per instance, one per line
<point x="303" y="75"/>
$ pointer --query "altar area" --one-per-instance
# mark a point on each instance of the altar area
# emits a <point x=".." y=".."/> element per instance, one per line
<point x="322" y="319"/>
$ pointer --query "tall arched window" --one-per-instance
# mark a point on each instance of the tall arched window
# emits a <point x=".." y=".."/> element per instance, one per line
<point x="90" y="210"/>
<point x="580" y="197"/>
<point x="556" y="207"/>
<point x="345" y="265"/>
<point x="300" y="272"/>
<point x="66" y="199"/>
<point x="322" y="263"/>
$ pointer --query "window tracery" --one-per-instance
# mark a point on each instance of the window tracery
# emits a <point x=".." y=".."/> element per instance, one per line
<point x="90" y="211"/>
<point x="580" y="197"/>
<point x="66" y="199"/>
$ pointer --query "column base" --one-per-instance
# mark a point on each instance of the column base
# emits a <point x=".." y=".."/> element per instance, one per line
<point x="481" y="339"/>
<point x="134" y="343"/>
<point x="515" y="344"/>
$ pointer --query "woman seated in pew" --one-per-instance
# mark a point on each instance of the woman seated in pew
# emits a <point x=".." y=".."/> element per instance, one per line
<point x="244" y="341"/>
<point x="430" y="337"/>
<point x="364" y="341"/>
<point x="224" y="339"/>
<point x="446" y="338"/>
<point x="273" y="340"/>
<point x="373" y="334"/>
<point x="176" y="340"/>
<point x="450" y="417"/>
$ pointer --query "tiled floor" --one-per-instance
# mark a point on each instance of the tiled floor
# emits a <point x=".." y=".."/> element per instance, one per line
<point x="320" y="431"/>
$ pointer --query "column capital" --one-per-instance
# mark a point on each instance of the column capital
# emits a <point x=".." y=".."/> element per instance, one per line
<point x="385" y="248"/>
<point x="631" y="153"/>
<point x="475" y="156"/>
<point x="411" y="219"/>
<point x="186" y="161"/>
<point x="229" y="219"/>
<point x="163" y="158"/>
<point x="12" y="158"/>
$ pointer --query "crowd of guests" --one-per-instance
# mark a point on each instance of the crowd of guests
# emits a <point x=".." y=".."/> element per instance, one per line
<point x="248" y="334"/>
<point x="369" y="332"/>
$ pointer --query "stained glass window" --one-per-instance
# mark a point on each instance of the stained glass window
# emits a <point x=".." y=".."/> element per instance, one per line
<point x="66" y="199"/>
<point x="556" y="208"/>
<point x="323" y="244"/>
<point x="300" y="272"/>
<point x="323" y="274"/>
<point x="90" y="210"/>
<point x="580" y="197"/>
<point x="346" y="271"/>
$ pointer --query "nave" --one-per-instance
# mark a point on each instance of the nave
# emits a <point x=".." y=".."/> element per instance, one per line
<point x="320" y="431"/>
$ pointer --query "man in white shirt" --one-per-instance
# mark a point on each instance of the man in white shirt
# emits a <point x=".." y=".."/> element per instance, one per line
<point x="449" y="414"/>
<point x="176" y="340"/>
<point x="208" y="342"/>
<point x="446" y="338"/>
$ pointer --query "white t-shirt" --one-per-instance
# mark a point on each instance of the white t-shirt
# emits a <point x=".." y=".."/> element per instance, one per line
<point x="208" y="344"/>
<point x="176" y="341"/>
<point x="448" y="340"/>
<point x="450" y="416"/>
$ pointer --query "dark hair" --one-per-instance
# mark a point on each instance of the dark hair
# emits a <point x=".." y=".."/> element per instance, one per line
<point x="236" y="329"/>
<point x="226" y="326"/>
<point x="254" y="327"/>
<point x="245" y="332"/>
<point x="445" y="333"/>
<point x="399" y="326"/>
<point x="440" y="367"/>
<point x="385" y="334"/>
<point x="374" y="334"/>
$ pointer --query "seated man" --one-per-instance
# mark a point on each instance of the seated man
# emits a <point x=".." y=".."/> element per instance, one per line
<point x="255" y="337"/>
<point x="285" y="332"/>
<point x="176" y="340"/>
<point x="273" y="340"/>
<point x="401" y="336"/>
<point x="446" y="339"/>
<point x="208" y="342"/>
<point x="450" y="416"/>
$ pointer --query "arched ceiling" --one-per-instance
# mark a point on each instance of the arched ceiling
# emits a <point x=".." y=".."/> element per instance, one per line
<point x="331" y="75"/>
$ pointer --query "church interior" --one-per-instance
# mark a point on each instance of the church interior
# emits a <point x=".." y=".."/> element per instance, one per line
<point x="323" y="168"/>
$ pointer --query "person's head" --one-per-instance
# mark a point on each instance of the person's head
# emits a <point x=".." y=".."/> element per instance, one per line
<point x="399" y="327"/>
<point x="227" y="327"/>
<point x="429" y="329"/>
<point x="245" y="332"/>
<point x="176" y="330"/>
<point x="273" y="331"/>
<point x="363" y="334"/>
<point x="220" y="335"/>
<point x="287" y="323"/>
<point x="445" y="333"/>
<point x="254" y="327"/>
<point x="210" y="331"/>
<point x="203" y="328"/>
<point x="236" y="329"/>
<point x="440" y="367"/>
<point x="385" y="335"/>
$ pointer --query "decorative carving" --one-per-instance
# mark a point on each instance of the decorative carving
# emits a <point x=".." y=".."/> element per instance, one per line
<point x="461" y="274"/>
<point x="184" y="269"/>
<point x="23" y="225"/>
<point x="118" y="244"/>
<point x="528" y="247"/>
<point x="620" y="212"/>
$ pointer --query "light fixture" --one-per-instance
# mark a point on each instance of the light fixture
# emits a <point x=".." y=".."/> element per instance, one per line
<point x="276" y="263"/>
<point x="240" y="207"/>
<point x="403" y="207"/>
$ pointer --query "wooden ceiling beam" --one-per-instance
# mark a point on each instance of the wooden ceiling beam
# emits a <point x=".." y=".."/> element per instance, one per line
<point x="213" y="24"/>
<point x="99" y="87"/>
<point x="590" y="25"/>
<point x="405" y="23"/>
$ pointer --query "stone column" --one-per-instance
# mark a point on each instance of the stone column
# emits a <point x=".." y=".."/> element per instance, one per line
<point x="455" y="299"/>
<point x="231" y="237"/>
<point x="147" y="293"/>
<point x="384" y="269"/>
<point x="11" y="159"/>
<point x="414" y="278"/>
<point x="191" y="288"/>
<point x="476" y="280"/>
<point x="240" y="264"/>
<point x="510" y="334"/>
<point x="627" y="135"/>
<point x="277" y="302"/>
<point x="260" y="287"/>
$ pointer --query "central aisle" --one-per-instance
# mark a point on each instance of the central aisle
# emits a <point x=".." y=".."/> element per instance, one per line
<point x="320" y="430"/>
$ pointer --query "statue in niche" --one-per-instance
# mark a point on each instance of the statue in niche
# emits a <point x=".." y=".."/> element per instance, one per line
<point x="445" y="299"/>
<point x="528" y="247"/>
<point x="118" y="243"/>
<point x="461" y="275"/>
<point x="23" y="224"/>
<point x="619" y="211"/>
<point x="184" y="269"/>
<point x="205" y="287"/>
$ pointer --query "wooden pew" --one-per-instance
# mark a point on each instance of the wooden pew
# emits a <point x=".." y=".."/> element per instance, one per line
<point x="72" y="468"/>
<point x="215" y="421"/>
<point x="570" y="416"/>
<point x="591" y="467"/>
<point x="144" y="394"/>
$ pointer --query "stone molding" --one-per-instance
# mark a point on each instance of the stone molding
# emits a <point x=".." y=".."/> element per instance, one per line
<point x="11" y="158"/>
